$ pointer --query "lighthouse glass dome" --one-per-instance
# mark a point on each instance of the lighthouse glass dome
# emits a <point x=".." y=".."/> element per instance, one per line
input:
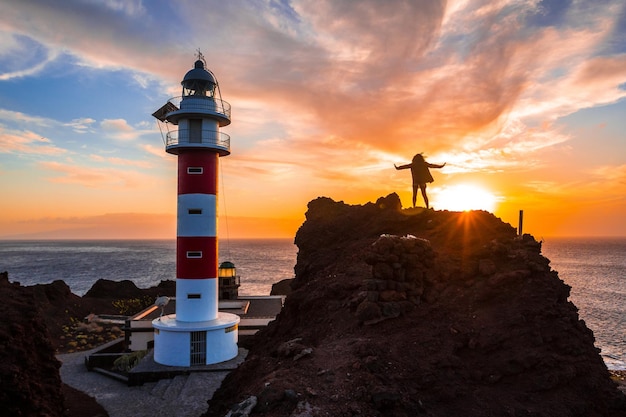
<point x="227" y="270"/>
<point x="199" y="81"/>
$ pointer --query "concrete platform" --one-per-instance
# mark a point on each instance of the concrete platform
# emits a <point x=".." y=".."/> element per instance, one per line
<point x="179" y="394"/>
<point x="147" y="370"/>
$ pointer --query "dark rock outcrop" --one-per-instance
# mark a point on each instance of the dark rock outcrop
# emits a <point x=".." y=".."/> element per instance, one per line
<point x="420" y="312"/>
<point x="40" y="320"/>
<point x="30" y="384"/>
<point x="282" y="287"/>
<point x="126" y="289"/>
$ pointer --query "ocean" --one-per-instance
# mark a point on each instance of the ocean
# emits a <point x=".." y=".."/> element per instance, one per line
<point x="80" y="263"/>
<point x="595" y="268"/>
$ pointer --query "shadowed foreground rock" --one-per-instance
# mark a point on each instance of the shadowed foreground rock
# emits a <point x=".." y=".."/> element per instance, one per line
<point x="30" y="384"/>
<point x="420" y="312"/>
<point x="41" y="320"/>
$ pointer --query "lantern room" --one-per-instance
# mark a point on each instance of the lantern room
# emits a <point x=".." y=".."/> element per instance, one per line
<point x="199" y="82"/>
<point x="229" y="281"/>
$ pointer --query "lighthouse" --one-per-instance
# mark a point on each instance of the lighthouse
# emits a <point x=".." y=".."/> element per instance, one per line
<point x="197" y="334"/>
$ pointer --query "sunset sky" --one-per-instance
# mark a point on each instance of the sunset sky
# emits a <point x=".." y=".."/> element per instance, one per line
<point x="524" y="100"/>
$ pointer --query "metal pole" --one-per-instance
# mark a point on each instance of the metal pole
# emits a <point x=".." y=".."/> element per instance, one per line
<point x="521" y="223"/>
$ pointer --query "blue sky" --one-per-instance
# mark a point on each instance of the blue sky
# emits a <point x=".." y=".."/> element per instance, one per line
<point x="524" y="100"/>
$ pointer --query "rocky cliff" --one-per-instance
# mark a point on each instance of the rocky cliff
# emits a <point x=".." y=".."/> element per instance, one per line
<point x="41" y="320"/>
<point x="419" y="312"/>
<point x="29" y="373"/>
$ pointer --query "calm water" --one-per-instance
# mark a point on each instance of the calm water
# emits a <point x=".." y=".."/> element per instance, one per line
<point x="594" y="268"/>
<point x="80" y="263"/>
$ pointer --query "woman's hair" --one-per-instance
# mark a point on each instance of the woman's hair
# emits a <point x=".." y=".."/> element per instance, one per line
<point x="418" y="157"/>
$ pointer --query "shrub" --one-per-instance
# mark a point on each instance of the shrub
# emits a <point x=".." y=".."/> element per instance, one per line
<point x="130" y="306"/>
<point x="126" y="362"/>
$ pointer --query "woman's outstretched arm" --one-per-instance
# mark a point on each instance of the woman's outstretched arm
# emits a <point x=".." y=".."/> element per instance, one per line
<point x="436" y="165"/>
<point x="402" y="166"/>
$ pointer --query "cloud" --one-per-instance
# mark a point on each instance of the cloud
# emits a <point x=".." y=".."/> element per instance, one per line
<point x="81" y="125"/>
<point x="330" y="94"/>
<point x="424" y="74"/>
<point x="610" y="177"/>
<point x="104" y="226"/>
<point x="418" y="77"/>
<point x="21" y="57"/>
<point x="92" y="177"/>
<point x="120" y="161"/>
<point x="25" y="119"/>
<point x="120" y="129"/>
<point x="603" y="74"/>
<point x="111" y="34"/>
<point x="26" y="142"/>
<point x="154" y="151"/>
<point x="129" y="7"/>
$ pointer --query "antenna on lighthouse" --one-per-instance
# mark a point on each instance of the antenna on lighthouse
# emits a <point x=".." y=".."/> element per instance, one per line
<point x="200" y="56"/>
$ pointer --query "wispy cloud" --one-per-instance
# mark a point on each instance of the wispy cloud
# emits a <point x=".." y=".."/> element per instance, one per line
<point x="133" y="8"/>
<point x="105" y="226"/>
<point x="82" y="125"/>
<point x="154" y="151"/>
<point x="118" y="129"/>
<point x="614" y="175"/>
<point x="26" y="142"/>
<point x="20" y="58"/>
<point x="93" y="177"/>
<point x="24" y="119"/>
<point x="120" y="161"/>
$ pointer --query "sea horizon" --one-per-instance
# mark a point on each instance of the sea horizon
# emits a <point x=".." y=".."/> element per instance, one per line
<point x="16" y="238"/>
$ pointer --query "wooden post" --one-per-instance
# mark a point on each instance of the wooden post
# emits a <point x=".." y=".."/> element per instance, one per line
<point x="521" y="223"/>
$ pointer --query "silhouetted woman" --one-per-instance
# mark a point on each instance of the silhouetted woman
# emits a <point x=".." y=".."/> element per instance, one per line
<point x="421" y="175"/>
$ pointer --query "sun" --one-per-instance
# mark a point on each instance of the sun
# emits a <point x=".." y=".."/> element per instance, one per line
<point x="464" y="197"/>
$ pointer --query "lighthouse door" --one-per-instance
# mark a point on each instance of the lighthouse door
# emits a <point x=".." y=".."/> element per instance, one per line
<point x="198" y="348"/>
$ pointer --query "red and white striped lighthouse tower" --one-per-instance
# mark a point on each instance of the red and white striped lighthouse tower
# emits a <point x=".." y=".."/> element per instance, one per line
<point x="197" y="334"/>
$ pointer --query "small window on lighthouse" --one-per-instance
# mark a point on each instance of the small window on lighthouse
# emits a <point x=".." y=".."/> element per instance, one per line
<point x="194" y="211"/>
<point x="194" y="170"/>
<point x="192" y="296"/>
<point x="194" y="254"/>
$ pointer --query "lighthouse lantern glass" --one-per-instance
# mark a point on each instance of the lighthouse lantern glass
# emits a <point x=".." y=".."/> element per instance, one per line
<point x="199" y="82"/>
<point x="227" y="270"/>
<point x="198" y="88"/>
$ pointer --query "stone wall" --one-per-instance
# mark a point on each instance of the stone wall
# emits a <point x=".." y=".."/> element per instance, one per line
<point x="399" y="269"/>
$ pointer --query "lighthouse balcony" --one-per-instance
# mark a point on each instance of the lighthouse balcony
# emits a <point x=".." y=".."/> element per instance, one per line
<point x="190" y="138"/>
<point x="187" y="106"/>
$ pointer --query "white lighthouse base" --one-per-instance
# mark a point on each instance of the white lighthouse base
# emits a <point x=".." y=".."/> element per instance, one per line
<point x="180" y="343"/>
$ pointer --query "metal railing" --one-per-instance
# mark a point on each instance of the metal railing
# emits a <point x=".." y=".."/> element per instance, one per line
<point x="202" y="104"/>
<point x="206" y="138"/>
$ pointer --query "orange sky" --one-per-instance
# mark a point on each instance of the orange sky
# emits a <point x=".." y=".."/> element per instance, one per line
<point x="524" y="101"/>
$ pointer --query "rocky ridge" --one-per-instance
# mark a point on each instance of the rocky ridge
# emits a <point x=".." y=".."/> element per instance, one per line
<point x="419" y="312"/>
<point x="42" y="320"/>
<point x="29" y="373"/>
